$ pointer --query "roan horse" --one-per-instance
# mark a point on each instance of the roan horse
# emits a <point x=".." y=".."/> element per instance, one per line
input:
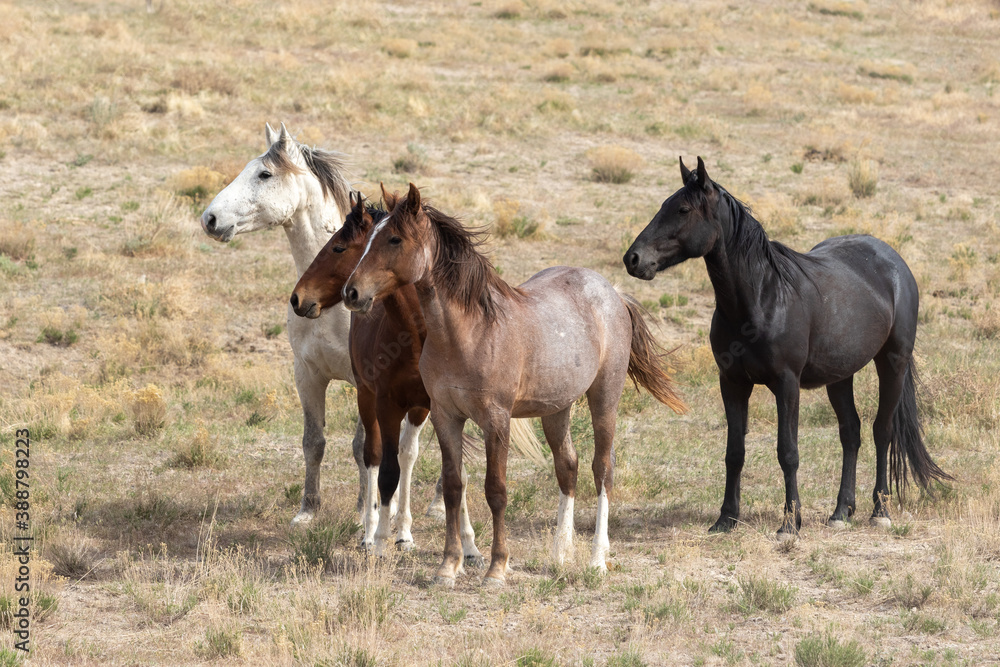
<point x="385" y="346"/>
<point x="788" y="320"/>
<point x="494" y="351"/>
<point x="304" y="191"/>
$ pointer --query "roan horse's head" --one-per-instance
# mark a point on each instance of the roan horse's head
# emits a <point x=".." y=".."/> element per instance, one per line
<point x="685" y="227"/>
<point x="321" y="285"/>
<point x="265" y="194"/>
<point x="396" y="253"/>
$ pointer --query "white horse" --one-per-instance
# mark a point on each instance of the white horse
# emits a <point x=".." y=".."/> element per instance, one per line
<point x="304" y="191"/>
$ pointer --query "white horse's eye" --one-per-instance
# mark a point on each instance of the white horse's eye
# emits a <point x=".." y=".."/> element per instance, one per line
<point x="264" y="175"/>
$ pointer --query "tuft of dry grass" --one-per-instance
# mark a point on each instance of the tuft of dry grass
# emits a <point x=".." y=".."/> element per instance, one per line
<point x="201" y="451"/>
<point x="17" y="241"/>
<point x="400" y="47"/>
<point x="149" y="410"/>
<point x="613" y="164"/>
<point x="862" y="178"/>
<point x="198" y="184"/>
<point x="559" y="73"/>
<point x="73" y="555"/>
<point x="962" y="260"/>
<point x="511" y="220"/>
<point x="510" y="10"/>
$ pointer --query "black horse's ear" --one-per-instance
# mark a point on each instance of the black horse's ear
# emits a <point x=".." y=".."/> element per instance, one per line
<point x="685" y="172"/>
<point x="704" y="182"/>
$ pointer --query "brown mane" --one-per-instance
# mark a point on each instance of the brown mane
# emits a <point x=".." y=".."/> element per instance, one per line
<point x="326" y="166"/>
<point x="460" y="269"/>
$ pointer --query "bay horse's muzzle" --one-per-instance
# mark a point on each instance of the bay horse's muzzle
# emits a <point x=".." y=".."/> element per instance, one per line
<point x="304" y="308"/>
<point x="353" y="300"/>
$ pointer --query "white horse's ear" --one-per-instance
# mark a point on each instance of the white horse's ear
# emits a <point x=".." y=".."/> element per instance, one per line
<point x="284" y="134"/>
<point x="270" y="136"/>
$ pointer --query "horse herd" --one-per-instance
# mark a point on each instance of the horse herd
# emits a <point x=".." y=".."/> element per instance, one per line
<point x="399" y="301"/>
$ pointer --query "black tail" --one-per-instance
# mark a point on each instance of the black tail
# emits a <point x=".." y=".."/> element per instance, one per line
<point x="906" y="445"/>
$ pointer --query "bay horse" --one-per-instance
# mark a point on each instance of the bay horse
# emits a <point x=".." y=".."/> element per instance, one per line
<point x="788" y="320"/>
<point x="494" y="352"/>
<point x="385" y="346"/>
<point x="304" y="191"/>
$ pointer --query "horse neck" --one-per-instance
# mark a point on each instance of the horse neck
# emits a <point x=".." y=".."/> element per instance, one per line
<point x="448" y="323"/>
<point x="311" y="226"/>
<point x="403" y="313"/>
<point x="736" y="282"/>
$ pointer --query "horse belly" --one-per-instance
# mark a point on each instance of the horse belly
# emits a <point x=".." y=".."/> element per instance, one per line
<point x="560" y="371"/>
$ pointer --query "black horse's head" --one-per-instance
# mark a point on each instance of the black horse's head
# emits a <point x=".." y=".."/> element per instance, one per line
<point x="683" y="228"/>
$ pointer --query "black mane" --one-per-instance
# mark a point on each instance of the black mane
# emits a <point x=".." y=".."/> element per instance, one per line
<point x="750" y="245"/>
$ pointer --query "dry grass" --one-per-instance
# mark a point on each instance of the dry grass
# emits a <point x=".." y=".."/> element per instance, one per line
<point x="118" y="125"/>
<point x="613" y="164"/>
<point x="862" y="177"/>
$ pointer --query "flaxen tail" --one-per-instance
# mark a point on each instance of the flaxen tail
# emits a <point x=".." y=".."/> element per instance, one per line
<point x="644" y="361"/>
<point x="906" y="444"/>
<point x="522" y="440"/>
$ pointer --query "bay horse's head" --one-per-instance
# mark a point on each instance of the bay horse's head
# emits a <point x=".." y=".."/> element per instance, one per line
<point x="686" y="226"/>
<point x="273" y="186"/>
<point x="396" y="254"/>
<point x="321" y="285"/>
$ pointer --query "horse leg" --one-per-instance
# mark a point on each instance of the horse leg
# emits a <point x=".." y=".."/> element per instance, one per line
<point x="358" y="449"/>
<point x="497" y="437"/>
<point x="436" y="509"/>
<point x="312" y="396"/>
<point x="602" y="400"/>
<point x="409" y="448"/>
<point x="841" y="396"/>
<point x="786" y="393"/>
<point x="470" y="552"/>
<point x="736" y="398"/>
<point x="449" y="432"/>
<point x="372" y="459"/>
<point x="556" y="428"/>
<point x="389" y="417"/>
<point x="890" y="387"/>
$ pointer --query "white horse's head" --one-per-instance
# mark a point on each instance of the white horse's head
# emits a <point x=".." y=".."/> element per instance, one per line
<point x="288" y="179"/>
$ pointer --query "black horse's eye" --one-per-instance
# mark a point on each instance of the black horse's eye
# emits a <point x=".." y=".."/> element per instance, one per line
<point x="264" y="175"/>
<point x="339" y="248"/>
<point x="684" y="210"/>
<point x="395" y="240"/>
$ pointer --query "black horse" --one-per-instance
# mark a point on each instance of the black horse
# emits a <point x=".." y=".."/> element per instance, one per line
<point x="788" y="320"/>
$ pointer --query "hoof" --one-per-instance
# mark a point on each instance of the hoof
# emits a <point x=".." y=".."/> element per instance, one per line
<point x="436" y="512"/>
<point x="405" y="545"/>
<point x="445" y="582"/>
<point x="723" y="525"/>
<point x="787" y="535"/>
<point x="302" y="518"/>
<point x="880" y="522"/>
<point x="493" y="582"/>
<point x="837" y="524"/>
<point x="600" y="566"/>
<point x="475" y="561"/>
